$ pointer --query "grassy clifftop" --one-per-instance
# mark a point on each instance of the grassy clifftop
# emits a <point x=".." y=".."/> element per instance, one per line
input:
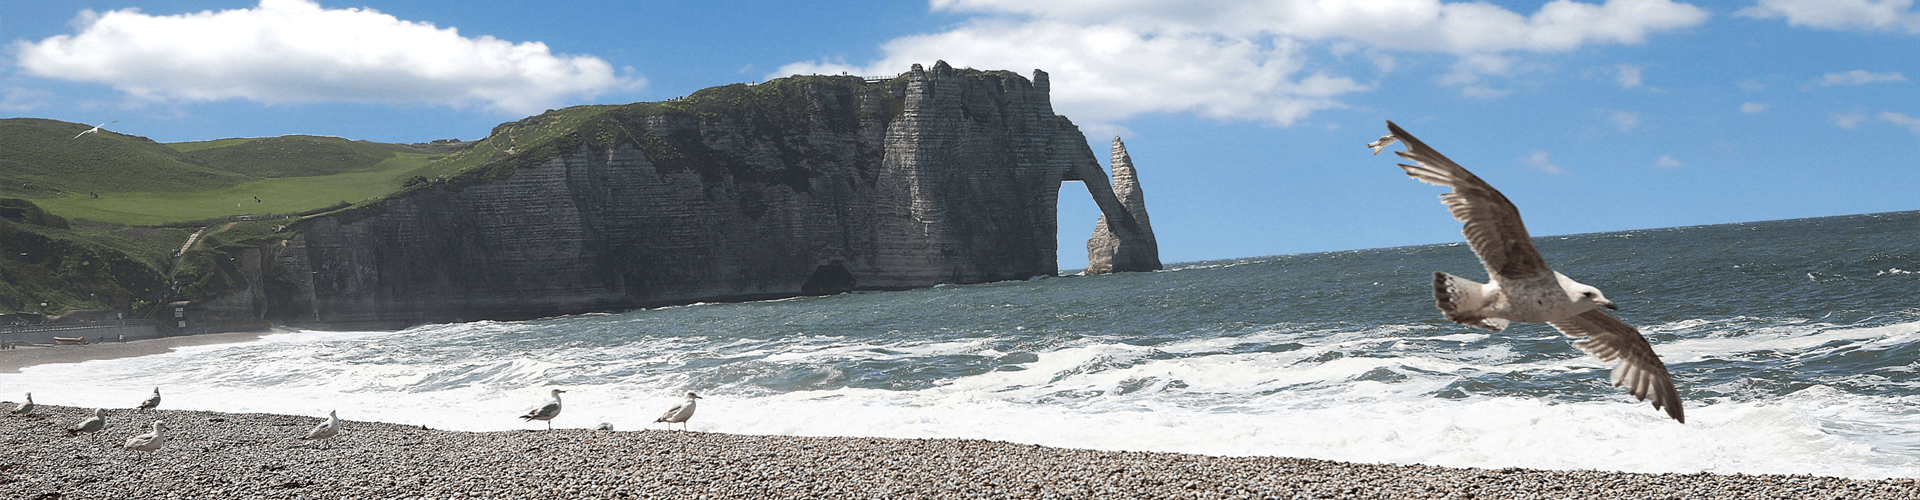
<point x="122" y="179"/>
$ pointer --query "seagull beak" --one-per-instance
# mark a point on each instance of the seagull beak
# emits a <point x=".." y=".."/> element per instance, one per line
<point x="1609" y="305"/>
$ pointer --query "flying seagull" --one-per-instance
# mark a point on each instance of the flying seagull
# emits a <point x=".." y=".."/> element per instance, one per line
<point x="326" y="429"/>
<point x="152" y="401"/>
<point x="547" y="411"/>
<point x="91" y="424"/>
<point x="24" y="408"/>
<point x="96" y="128"/>
<point x="1522" y="287"/>
<point x="680" y="414"/>
<point x="149" y="441"/>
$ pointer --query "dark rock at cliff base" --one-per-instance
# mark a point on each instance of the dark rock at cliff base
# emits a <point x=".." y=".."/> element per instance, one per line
<point x="804" y="185"/>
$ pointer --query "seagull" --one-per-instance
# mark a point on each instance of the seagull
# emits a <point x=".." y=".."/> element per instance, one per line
<point x="96" y="128"/>
<point x="327" y="429"/>
<point x="91" y="425"/>
<point x="24" y="408"/>
<point x="149" y="441"/>
<point x="680" y="414"/>
<point x="1522" y="287"/>
<point x="547" y="411"/>
<point x="152" y="401"/>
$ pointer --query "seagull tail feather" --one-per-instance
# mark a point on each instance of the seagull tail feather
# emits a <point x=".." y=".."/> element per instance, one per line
<point x="1460" y="299"/>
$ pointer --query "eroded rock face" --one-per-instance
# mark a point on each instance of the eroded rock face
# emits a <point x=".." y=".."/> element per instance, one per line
<point x="823" y="185"/>
<point x="1127" y="245"/>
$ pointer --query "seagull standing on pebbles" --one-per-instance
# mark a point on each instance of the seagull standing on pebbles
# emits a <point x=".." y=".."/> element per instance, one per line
<point x="680" y="414"/>
<point x="24" y="408"/>
<point x="149" y="441"/>
<point x="152" y="401"/>
<point x="1522" y="287"/>
<point x="91" y="425"/>
<point x="547" y="411"/>
<point x="326" y="429"/>
<point x="96" y="128"/>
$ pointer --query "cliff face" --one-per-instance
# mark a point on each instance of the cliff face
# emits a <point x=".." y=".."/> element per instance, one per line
<point x="798" y="186"/>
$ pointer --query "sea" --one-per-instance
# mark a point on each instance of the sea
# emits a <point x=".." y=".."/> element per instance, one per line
<point x="1795" y="345"/>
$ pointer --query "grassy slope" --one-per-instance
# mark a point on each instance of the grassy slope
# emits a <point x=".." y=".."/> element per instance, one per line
<point x="140" y="182"/>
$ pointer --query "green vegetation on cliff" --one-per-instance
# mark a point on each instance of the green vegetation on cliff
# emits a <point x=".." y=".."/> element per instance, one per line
<point x="121" y="179"/>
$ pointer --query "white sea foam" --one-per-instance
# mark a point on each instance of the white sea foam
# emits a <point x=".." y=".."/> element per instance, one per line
<point x="1368" y="395"/>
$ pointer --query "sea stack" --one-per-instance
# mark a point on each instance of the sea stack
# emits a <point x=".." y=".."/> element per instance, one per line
<point x="1128" y="245"/>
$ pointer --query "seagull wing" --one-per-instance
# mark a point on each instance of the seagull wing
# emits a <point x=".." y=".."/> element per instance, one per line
<point x="670" y="413"/>
<point x="1640" y="370"/>
<point x="1493" y="226"/>
<point x="545" y="411"/>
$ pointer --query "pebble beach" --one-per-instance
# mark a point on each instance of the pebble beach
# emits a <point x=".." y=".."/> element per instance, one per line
<point x="226" y="455"/>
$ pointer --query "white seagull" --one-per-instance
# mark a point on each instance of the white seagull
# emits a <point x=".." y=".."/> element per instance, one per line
<point x="547" y="411"/>
<point x="326" y="429"/>
<point x="24" y="408"/>
<point x="96" y="128"/>
<point x="1522" y="287"/>
<point x="152" y="401"/>
<point x="680" y="414"/>
<point x="91" y="424"/>
<point x="149" y="441"/>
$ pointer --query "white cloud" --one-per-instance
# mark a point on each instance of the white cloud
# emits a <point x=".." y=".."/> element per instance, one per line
<point x="1105" y="73"/>
<point x="1627" y="75"/>
<point x="1868" y="15"/>
<point x="1847" y="120"/>
<point x="1752" y="107"/>
<point x="1538" y="161"/>
<point x="1911" y="123"/>
<point x="1418" y="25"/>
<point x="295" y="51"/>
<point x="1238" y="59"/>
<point x="1860" y="77"/>
<point x="1752" y="85"/>
<point x="1666" y="161"/>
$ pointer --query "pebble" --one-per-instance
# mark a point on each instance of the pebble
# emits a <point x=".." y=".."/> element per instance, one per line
<point x="224" y="455"/>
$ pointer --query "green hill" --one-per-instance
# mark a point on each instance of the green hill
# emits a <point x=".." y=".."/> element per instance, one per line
<point x="122" y="179"/>
<point x="41" y="159"/>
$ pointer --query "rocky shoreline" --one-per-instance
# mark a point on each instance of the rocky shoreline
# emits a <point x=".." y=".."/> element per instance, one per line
<point x="225" y="455"/>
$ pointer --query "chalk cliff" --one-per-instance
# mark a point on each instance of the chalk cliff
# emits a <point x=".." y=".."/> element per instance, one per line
<point x="804" y="185"/>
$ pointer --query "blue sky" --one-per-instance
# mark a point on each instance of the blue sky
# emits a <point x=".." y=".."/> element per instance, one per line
<point x="1247" y="120"/>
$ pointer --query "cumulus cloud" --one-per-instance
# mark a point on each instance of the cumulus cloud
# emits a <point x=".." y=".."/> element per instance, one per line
<point x="295" y="51"/>
<point x="1538" y="161"/>
<point x="1666" y="161"/>
<point x="1860" y="77"/>
<point x="1911" y="123"/>
<point x="1258" y="60"/>
<point x="1894" y="16"/>
<point x="1752" y="107"/>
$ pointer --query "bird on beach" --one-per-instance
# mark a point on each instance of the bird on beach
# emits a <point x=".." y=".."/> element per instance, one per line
<point x="150" y="441"/>
<point x="325" y="429"/>
<point x="547" y="411"/>
<point x="1521" y="287"/>
<point x="96" y="128"/>
<point x="680" y="414"/>
<point x="25" y="407"/>
<point x="152" y="401"/>
<point x="91" y="425"/>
